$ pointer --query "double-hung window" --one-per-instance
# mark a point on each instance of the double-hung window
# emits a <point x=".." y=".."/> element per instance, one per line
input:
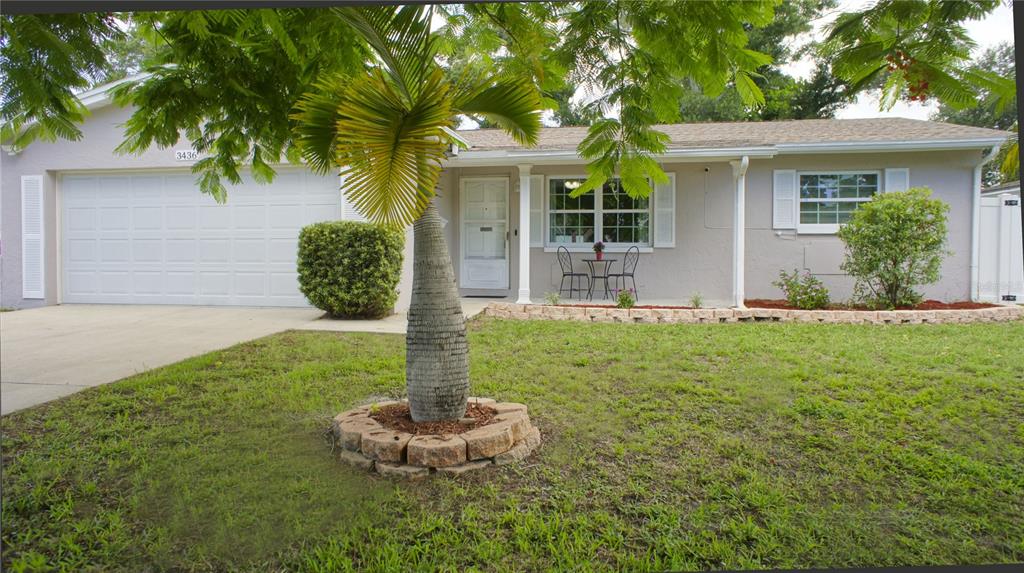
<point x="828" y="199"/>
<point x="608" y="214"/>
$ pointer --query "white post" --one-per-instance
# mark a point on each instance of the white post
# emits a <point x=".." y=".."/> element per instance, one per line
<point x="976" y="224"/>
<point x="524" y="234"/>
<point x="739" y="223"/>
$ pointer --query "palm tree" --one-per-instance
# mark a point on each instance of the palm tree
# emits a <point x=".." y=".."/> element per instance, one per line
<point x="388" y="130"/>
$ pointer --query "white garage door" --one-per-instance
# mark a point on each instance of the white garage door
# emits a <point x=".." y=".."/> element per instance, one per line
<point x="153" y="238"/>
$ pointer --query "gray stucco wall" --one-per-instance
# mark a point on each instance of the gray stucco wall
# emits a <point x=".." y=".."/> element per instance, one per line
<point x="701" y="261"/>
<point x="948" y="173"/>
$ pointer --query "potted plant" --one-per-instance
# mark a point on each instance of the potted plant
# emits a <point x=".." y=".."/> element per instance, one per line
<point x="599" y="250"/>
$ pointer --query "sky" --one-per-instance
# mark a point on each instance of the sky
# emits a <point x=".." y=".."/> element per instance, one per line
<point x="993" y="30"/>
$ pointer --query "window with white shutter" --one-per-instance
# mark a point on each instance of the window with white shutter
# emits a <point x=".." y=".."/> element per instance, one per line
<point x="897" y="179"/>
<point x="536" y="210"/>
<point x="784" y="199"/>
<point x="665" y="213"/>
<point x="33" y="283"/>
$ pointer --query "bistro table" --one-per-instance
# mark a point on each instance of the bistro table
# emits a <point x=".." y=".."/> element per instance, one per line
<point x="594" y="275"/>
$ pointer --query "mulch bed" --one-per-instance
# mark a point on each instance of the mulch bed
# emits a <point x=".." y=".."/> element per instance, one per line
<point x="397" y="417"/>
<point x="616" y="306"/>
<point x="782" y="304"/>
<point x="926" y="305"/>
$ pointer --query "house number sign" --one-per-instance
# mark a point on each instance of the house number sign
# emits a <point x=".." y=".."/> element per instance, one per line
<point x="186" y="155"/>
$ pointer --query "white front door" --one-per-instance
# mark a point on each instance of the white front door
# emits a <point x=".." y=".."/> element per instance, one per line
<point x="484" y="233"/>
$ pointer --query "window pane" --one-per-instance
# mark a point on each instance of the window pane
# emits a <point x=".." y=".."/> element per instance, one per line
<point x="586" y="201"/>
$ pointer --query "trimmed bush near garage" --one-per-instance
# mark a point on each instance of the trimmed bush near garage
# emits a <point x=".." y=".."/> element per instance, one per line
<point x="350" y="269"/>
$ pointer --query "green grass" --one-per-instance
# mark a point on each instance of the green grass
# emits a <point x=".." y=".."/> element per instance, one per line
<point x="665" y="447"/>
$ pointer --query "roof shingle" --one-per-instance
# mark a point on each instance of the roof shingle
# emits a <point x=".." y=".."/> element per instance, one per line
<point x="757" y="133"/>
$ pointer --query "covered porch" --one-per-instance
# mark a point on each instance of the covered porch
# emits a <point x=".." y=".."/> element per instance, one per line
<point x="506" y="219"/>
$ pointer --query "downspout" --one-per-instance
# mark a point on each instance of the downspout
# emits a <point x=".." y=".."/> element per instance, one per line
<point x="739" y="171"/>
<point x="976" y="223"/>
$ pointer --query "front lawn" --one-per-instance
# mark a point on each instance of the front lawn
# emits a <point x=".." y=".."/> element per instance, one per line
<point x="665" y="447"/>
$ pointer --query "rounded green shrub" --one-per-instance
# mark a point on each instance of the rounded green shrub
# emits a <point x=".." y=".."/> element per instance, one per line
<point x="894" y="243"/>
<point x="350" y="269"/>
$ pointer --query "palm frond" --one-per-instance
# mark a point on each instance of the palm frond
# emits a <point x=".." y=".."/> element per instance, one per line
<point x="391" y="153"/>
<point x="401" y="39"/>
<point x="316" y="124"/>
<point x="513" y="105"/>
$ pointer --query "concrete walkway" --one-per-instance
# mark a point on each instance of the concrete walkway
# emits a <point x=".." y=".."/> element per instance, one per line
<point x="50" y="352"/>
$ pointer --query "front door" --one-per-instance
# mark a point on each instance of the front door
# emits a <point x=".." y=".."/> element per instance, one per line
<point x="484" y="233"/>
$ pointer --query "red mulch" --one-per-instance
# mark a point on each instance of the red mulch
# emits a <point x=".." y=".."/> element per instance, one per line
<point x="926" y="305"/>
<point x="616" y="306"/>
<point x="396" y="417"/>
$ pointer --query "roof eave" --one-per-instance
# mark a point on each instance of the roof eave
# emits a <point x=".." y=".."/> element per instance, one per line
<point x="881" y="146"/>
<point x="562" y="156"/>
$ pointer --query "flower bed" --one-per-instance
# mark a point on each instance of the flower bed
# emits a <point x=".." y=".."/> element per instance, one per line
<point x="926" y="305"/>
<point x="720" y="315"/>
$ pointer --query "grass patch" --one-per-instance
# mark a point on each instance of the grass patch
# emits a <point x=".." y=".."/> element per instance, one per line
<point x="665" y="447"/>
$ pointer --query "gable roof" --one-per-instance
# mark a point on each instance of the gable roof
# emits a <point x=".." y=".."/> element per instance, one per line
<point x="791" y="135"/>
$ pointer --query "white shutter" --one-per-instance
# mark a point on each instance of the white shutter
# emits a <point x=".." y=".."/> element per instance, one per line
<point x="897" y="179"/>
<point x="348" y="210"/>
<point x="536" y="210"/>
<point x="665" y="213"/>
<point x="32" y="241"/>
<point x="784" y="199"/>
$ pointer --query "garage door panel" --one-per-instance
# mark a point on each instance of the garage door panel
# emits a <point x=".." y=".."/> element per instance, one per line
<point x="147" y="250"/>
<point x="81" y="251"/>
<point x="156" y="239"/>
<point x="215" y="250"/>
<point x="115" y="250"/>
<point x="180" y="283"/>
<point x="80" y="218"/>
<point x="180" y="218"/>
<point x="114" y="282"/>
<point x="181" y="250"/>
<point x="215" y="217"/>
<point x="81" y="282"/>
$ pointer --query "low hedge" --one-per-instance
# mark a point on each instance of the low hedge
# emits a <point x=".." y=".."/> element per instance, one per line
<point x="350" y="269"/>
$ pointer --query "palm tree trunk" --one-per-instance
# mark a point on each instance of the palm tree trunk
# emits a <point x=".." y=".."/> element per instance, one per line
<point x="436" y="365"/>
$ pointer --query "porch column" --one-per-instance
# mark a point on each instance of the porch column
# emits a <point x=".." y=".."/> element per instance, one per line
<point x="524" y="234"/>
<point x="739" y="223"/>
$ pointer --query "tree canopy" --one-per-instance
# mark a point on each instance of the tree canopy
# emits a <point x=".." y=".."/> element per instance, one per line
<point x="229" y="80"/>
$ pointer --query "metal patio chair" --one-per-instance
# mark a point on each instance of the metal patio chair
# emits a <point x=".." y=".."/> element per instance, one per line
<point x="629" y="263"/>
<point x="565" y="261"/>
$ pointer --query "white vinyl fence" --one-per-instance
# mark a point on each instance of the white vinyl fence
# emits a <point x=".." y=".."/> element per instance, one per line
<point x="1001" y="268"/>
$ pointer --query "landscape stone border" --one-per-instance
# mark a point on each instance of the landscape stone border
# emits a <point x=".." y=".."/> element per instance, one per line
<point x="364" y="443"/>
<point x="725" y="315"/>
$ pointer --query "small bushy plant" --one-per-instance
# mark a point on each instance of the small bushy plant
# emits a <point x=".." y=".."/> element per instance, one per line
<point x="894" y="243"/>
<point x="625" y="298"/>
<point x="350" y="269"/>
<point x="552" y="298"/>
<point x="804" y="291"/>
<point x="696" y="300"/>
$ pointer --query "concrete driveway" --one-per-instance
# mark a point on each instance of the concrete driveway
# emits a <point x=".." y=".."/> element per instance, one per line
<point x="49" y="352"/>
<point x="53" y="351"/>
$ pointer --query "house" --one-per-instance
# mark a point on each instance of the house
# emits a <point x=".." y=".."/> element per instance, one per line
<point x="81" y="224"/>
<point x="1001" y="262"/>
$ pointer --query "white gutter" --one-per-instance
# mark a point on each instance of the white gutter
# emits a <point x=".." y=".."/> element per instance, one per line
<point x="549" y="156"/>
<point x="511" y="157"/>
<point x="870" y="146"/>
<point x="976" y="222"/>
